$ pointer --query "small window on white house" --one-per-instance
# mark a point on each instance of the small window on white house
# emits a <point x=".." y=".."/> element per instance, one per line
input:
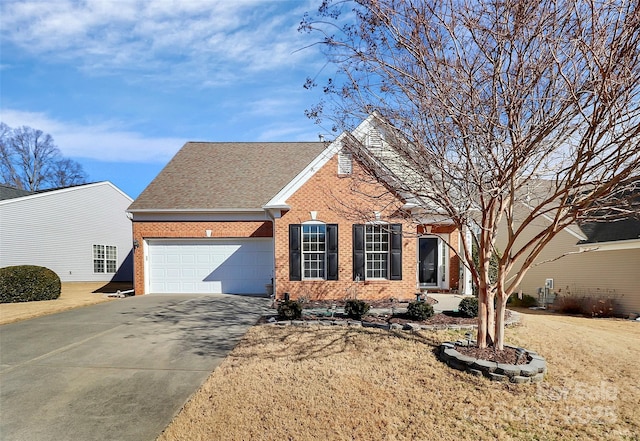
<point x="345" y="162"/>
<point x="105" y="259"/>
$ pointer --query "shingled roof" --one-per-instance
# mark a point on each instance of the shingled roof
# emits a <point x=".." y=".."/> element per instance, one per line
<point x="7" y="192"/>
<point x="612" y="231"/>
<point x="226" y="175"/>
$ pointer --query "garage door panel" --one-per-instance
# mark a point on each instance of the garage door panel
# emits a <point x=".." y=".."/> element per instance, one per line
<point x="233" y="266"/>
<point x="188" y="273"/>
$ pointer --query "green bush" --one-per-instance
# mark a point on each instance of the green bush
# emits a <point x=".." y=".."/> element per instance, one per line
<point x="289" y="310"/>
<point x="355" y="309"/>
<point x="419" y="310"/>
<point x="527" y="301"/>
<point x="468" y="307"/>
<point x="28" y="283"/>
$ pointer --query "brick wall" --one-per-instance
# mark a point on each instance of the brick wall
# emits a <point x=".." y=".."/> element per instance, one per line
<point x="161" y="230"/>
<point x="344" y="201"/>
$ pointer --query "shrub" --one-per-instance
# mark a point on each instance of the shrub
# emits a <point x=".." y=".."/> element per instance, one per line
<point x="355" y="309"/>
<point x="289" y="310"/>
<point x="28" y="283"/>
<point x="468" y="307"/>
<point x="602" y="307"/>
<point x="527" y="301"/>
<point x="589" y="306"/>
<point x="419" y="310"/>
<point x="568" y="305"/>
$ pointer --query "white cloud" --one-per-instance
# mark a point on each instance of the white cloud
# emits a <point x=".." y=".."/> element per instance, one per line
<point x="286" y="132"/>
<point x="106" y="141"/>
<point x="211" y="42"/>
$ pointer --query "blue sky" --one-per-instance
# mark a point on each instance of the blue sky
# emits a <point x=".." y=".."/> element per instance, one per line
<point x="121" y="85"/>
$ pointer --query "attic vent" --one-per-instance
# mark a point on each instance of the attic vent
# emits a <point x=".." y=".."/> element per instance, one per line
<point x="374" y="139"/>
<point x="344" y="163"/>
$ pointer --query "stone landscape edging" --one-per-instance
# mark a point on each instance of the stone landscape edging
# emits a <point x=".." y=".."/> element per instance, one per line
<point x="531" y="372"/>
<point x="513" y="320"/>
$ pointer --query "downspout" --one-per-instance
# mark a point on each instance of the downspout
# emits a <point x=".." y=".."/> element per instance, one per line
<point x="273" y="249"/>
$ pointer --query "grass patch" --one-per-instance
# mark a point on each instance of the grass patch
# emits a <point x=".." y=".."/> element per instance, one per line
<point x="73" y="295"/>
<point x="295" y="383"/>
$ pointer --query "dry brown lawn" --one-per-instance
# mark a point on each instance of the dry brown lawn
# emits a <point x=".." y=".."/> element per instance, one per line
<point x="360" y="384"/>
<point x="73" y="295"/>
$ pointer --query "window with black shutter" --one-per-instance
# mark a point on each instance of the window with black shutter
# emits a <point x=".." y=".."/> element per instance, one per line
<point x="313" y="251"/>
<point x="377" y="251"/>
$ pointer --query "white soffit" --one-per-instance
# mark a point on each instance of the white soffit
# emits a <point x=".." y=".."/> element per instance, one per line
<point x="630" y="244"/>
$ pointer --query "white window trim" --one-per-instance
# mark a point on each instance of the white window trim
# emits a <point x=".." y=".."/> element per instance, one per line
<point x="303" y="252"/>
<point x="104" y="259"/>
<point x="377" y="223"/>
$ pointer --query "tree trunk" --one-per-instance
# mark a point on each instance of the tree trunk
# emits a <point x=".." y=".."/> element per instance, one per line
<point x="482" y="317"/>
<point x="499" y="322"/>
<point x="491" y="317"/>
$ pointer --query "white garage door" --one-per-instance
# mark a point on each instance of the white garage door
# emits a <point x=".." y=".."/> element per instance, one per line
<point x="230" y="266"/>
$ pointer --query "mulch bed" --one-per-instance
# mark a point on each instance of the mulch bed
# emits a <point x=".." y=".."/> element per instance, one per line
<point x="448" y="318"/>
<point x="507" y="355"/>
<point x="385" y="303"/>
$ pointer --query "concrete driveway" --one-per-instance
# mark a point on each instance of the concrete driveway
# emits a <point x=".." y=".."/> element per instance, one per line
<point x="114" y="371"/>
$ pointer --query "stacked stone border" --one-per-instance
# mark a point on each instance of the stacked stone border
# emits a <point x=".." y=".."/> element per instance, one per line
<point x="531" y="372"/>
<point x="513" y="320"/>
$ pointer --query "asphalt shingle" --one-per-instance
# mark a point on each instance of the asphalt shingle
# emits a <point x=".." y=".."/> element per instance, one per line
<point x="226" y="175"/>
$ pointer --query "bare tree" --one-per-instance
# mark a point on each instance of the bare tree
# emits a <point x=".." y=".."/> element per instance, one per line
<point x="514" y="115"/>
<point x="30" y="160"/>
<point x="65" y="172"/>
<point x="8" y="173"/>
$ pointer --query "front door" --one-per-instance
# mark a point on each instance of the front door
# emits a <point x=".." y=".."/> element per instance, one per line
<point x="428" y="258"/>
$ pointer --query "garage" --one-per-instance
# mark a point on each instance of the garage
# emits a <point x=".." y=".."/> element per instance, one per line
<point x="230" y="266"/>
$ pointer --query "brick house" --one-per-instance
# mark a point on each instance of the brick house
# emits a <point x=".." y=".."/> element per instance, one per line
<point x="298" y="218"/>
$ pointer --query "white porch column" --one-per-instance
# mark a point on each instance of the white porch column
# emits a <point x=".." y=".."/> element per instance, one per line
<point x="467" y="282"/>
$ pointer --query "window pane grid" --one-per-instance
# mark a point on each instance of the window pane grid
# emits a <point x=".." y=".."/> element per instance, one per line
<point x="377" y="251"/>
<point x="313" y="251"/>
<point x="105" y="259"/>
<point x="98" y="251"/>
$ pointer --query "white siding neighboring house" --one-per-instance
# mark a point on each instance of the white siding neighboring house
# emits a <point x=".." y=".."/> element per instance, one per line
<point x="82" y="233"/>
<point x="600" y="260"/>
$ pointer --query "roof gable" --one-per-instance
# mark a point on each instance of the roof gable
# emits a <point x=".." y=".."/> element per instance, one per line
<point x="58" y="191"/>
<point x="360" y="132"/>
<point x="218" y="176"/>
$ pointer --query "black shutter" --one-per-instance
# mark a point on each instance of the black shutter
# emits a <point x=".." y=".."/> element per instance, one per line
<point x="358" y="252"/>
<point x="395" y="237"/>
<point x="332" y="251"/>
<point x="295" y="255"/>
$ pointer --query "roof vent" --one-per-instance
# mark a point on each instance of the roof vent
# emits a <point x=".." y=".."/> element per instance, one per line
<point x="345" y="163"/>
